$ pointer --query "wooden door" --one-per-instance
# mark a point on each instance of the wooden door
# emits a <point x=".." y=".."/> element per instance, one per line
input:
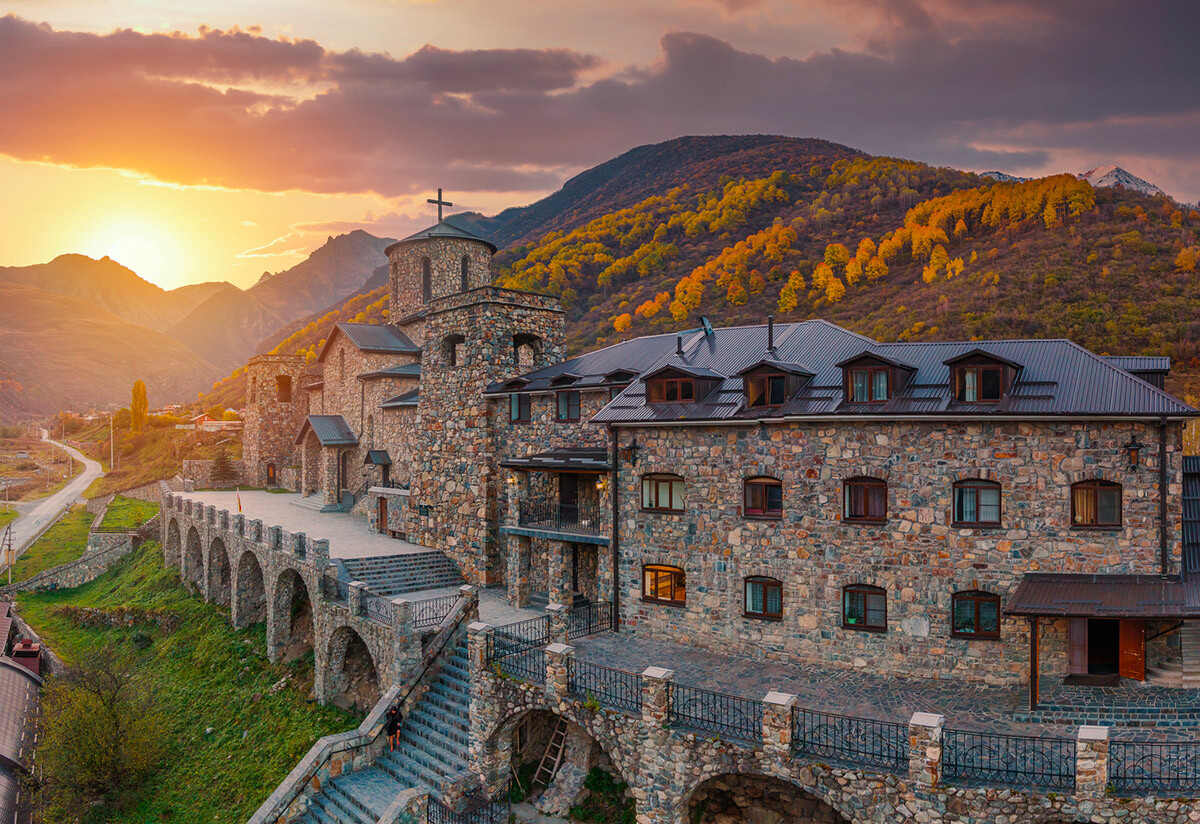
<point x="270" y="474"/>
<point x="1077" y="660"/>
<point x="382" y="521"/>
<point x="1133" y="650"/>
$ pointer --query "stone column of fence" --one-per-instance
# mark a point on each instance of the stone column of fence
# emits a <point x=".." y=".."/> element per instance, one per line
<point x="358" y="598"/>
<point x="319" y="553"/>
<point x="479" y="638"/>
<point x="558" y="671"/>
<point x="558" y="615"/>
<point x="655" y="698"/>
<point x="239" y="525"/>
<point x="1091" y="762"/>
<point x="520" y="569"/>
<point x="471" y="593"/>
<point x="491" y="759"/>
<point x="558" y="572"/>
<point x="777" y="724"/>
<point x="925" y="749"/>
<point x="406" y="642"/>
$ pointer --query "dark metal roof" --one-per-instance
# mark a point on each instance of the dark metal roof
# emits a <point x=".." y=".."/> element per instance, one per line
<point x="404" y="370"/>
<point x="331" y="430"/>
<point x="596" y="369"/>
<point x="377" y="457"/>
<point x="1057" y="378"/>
<point x="408" y="398"/>
<point x="782" y="366"/>
<point x="441" y="230"/>
<point x="18" y="711"/>
<point x="1140" y="363"/>
<point x="1105" y="596"/>
<point x="372" y="337"/>
<point x="1191" y="513"/>
<point x="563" y="460"/>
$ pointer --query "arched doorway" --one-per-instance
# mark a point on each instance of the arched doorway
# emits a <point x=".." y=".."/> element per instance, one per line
<point x="251" y="593"/>
<point x="271" y="481"/>
<point x="293" y="621"/>
<point x="219" y="584"/>
<point x="353" y="677"/>
<point x="756" y="799"/>
<point x="193" y="561"/>
<point x="171" y="550"/>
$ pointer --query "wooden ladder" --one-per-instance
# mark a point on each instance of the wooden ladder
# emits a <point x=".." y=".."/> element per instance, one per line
<point x="553" y="755"/>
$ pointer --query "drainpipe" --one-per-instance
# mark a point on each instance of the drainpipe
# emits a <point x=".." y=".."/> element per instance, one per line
<point x="615" y="540"/>
<point x="1163" y="524"/>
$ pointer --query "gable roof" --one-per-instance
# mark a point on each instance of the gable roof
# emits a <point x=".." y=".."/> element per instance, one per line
<point x="404" y="370"/>
<point x="331" y="430"/>
<point x="372" y="337"/>
<point x="404" y="399"/>
<point x="441" y="230"/>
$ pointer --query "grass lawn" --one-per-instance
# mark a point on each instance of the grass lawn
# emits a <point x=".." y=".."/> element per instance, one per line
<point x="128" y="513"/>
<point x="7" y="518"/>
<point x="65" y="541"/>
<point x="204" y="674"/>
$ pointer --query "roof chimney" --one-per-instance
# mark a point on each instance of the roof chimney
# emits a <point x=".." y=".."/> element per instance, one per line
<point x="770" y="333"/>
<point x="679" y="345"/>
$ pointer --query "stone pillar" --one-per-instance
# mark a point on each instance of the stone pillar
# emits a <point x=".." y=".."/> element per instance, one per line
<point x="558" y="671"/>
<point x="406" y="642"/>
<point x="520" y="565"/>
<point x="655" y="699"/>
<point x="777" y="724"/>
<point x="479" y="638"/>
<point x="489" y="758"/>
<point x="256" y="531"/>
<point x="925" y="749"/>
<point x="358" y="594"/>
<point x="319" y="551"/>
<point x="558" y="616"/>
<point x="558" y="584"/>
<point x="299" y="544"/>
<point x="1091" y="762"/>
<point x="239" y="525"/>
<point x="274" y="537"/>
<point x="472" y="595"/>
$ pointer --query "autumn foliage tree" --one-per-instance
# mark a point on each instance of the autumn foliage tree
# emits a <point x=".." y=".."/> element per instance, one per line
<point x="139" y="406"/>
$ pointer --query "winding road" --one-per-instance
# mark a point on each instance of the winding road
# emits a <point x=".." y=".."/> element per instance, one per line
<point x="29" y="525"/>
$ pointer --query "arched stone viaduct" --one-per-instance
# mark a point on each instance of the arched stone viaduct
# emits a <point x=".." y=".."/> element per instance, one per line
<point x="362" y="643"/>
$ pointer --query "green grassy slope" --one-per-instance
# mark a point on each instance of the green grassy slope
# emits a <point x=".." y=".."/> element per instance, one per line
<point x="63" y="542"/>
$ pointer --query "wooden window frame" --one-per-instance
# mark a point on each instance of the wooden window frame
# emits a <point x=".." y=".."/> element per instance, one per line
<point x="520" y="408"/>
<point x="765" y="379"/>
<point x="867" y="483"/>
<point x="658" y="386"/>
<point x="864" y="590"/>
<point x="976" y="597"/>
<point x="656" y="478"/>
<point x="976" y="484"/>
<point x="558" y="401"/>
<point x="767" y="584"/>
<point x="1094" y="485"/>
<point x="960" y="382"/>
<point x="764" y="512"/>
<point x="655" y="598"/>
<point x="870" y="372"/>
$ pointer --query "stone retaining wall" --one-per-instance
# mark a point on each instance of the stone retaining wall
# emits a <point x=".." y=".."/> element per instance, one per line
<point x="200" y="474"/>
<point x="104" y="550"/>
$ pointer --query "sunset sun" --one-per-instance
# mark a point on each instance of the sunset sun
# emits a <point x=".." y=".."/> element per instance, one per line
<point x="138" y="253"/>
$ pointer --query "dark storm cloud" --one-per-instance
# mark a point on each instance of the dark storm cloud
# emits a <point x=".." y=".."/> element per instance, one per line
<point x="985" y="83"/>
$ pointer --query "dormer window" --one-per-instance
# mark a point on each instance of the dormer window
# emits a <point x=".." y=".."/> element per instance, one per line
<point x="870" y="384"/>
<point x="765" y="390"/>
<point x="979" y="383"/>
<point x="671" y="390"/>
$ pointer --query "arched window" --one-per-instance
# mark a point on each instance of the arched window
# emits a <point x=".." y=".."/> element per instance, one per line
<point x="864" y="499"/>
<point x="283" y="388"/>
<point x="664" y="584"/>
<point x="1096" y="504"/>
<point x="454" y="350"/>
<point x="662" y="493"/>
<point x="763" y="598"/>
<point x="526" y="349"/>
<point x="426" y="279"/>
<point x="977" y="503"/>
<point x="465" y="278"/>
<point x="253" y="388"/>
<point x="763" y="497"/>
<point x="864" y="607"/>
<point x="975" y="614"/>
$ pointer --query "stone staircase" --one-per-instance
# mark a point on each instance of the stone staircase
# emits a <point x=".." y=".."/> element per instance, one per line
<point x="1185" y="670"/>
<point x="432" y="749"/>
<point x="392" y="575"/>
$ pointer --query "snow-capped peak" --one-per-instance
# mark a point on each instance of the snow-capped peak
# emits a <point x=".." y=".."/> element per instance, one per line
<point x="1116" y="176"/>
<point x="1003" y="177"/>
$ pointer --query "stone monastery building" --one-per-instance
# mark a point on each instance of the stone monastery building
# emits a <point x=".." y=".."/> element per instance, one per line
<point x="793" y="491"/>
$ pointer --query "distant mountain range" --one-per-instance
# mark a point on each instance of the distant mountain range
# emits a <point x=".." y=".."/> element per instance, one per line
<point x="1106" y="176"/>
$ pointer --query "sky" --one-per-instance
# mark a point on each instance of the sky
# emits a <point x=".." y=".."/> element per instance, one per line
<point x="216" y="140"/>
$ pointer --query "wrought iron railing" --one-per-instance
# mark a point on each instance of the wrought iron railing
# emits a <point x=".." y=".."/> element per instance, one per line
<point x="583" y="517"/>
<point x="378" y="608"/>
<point x="589" y="620"/>
<point x="494" y="810"/>
<point x="1159" y="766"/>
<point x="728" y="716"/>
<point x="432" y="611"/>
<point x="510" y="638"/>
<point x="856" y="742"/>
<point x="610" y="687"/>
<point x="527" y="664"/>
<point x="1009" y="760"/>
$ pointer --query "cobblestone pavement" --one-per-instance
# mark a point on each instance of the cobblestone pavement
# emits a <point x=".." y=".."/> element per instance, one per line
<point x="493" y="605"/>
<point x="968" y="707"/>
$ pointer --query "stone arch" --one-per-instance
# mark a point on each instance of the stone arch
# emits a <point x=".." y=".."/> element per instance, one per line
<point x="292" y="622"/>
<point x="193" y="560"/>
<point x="250" y="594"/>
<point x="351" y="673"/>
<point x="752" y="797"/>
<point x="173" y="546"/>
<point x="527" y="350"/>
<point x="220" y="587"/>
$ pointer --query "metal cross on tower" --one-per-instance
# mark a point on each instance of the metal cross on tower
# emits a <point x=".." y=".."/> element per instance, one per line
<point x="440" y="203"/>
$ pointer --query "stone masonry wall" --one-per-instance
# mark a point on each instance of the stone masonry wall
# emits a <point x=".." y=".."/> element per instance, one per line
<point x="200" y="473"/>
<point x="271" y="425"/>
<point x="917" y="556"/>
<point x="445" y="255"/>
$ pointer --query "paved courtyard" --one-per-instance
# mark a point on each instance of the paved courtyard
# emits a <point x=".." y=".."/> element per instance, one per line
<point x="348" y="535"/>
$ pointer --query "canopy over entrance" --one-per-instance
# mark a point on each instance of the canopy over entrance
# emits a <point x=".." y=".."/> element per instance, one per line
<point x="1105" y="596"/>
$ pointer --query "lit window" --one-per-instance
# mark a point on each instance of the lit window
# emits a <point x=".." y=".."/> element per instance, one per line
<point x="1096" y="503"/>
<point x="865" y="499"/>
<point x="764" y="598"/>
<point x="568" y="405"/>
<point x="864" y="607"/>
<point x="664" y="584"/>
<point x="519" y="408"/>
<point x="975" y="615"/>
<point x="764" y="497"/>
<point x="662" y="493"/>
<point x="977" y="503"/>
